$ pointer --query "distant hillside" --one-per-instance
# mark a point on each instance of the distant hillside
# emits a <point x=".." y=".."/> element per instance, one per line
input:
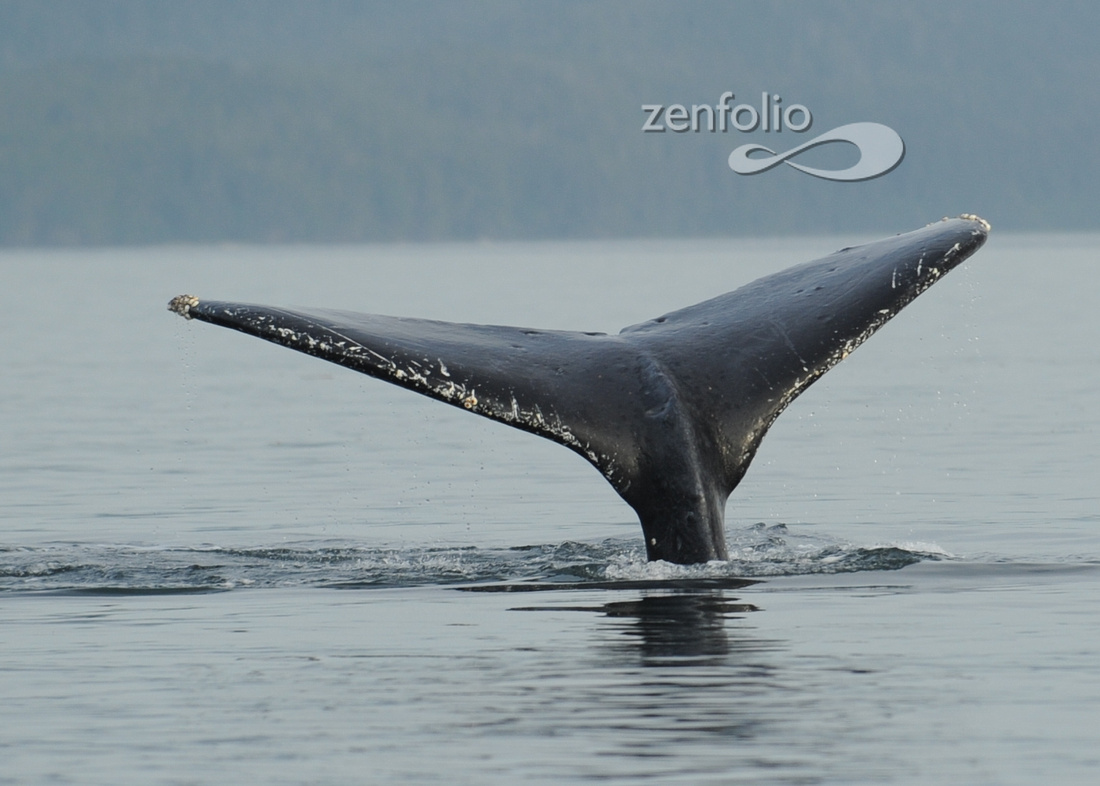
<point x="144" y="122"/>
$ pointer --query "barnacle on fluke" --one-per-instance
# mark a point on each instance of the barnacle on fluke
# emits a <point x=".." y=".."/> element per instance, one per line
<point x="182" y="305"/>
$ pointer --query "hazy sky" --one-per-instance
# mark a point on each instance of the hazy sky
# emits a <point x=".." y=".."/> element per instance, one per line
<point x="146" y="121"/>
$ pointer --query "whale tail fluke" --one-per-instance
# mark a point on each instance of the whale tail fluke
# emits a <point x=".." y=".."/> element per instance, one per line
<point x="670" y="411"/>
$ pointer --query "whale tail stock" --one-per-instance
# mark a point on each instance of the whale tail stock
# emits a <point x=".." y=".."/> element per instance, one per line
<point x="670" y="411"/>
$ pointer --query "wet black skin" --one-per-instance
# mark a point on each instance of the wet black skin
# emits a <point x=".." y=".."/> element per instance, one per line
<point x="670" y="411"/>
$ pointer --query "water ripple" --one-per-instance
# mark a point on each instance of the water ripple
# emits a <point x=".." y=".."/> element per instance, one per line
<point x="755" y="552"/>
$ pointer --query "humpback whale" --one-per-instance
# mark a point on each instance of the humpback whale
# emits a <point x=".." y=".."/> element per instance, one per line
<point x="671" y="411"/>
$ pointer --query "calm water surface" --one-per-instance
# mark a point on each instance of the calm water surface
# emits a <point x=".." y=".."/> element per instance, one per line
<point x="221" y="561"/>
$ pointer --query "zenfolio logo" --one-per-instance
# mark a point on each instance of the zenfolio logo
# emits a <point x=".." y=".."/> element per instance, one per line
<point x="880" y="147"/>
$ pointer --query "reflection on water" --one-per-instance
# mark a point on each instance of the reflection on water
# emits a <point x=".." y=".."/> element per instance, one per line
<point x="674" y="684"/>
<point x="681" y="629"/>
<point x="677" y="628"/>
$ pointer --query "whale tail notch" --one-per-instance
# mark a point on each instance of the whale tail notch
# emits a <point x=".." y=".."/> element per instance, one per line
<point x="670" y="411"/>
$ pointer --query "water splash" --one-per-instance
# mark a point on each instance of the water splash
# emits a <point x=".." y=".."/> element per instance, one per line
<point x="755" y="552"/>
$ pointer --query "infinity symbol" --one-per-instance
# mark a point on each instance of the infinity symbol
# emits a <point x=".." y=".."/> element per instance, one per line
<point x="880" y="150"/>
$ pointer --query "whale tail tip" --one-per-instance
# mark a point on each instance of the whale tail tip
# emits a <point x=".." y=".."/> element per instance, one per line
<point x="182" y="305"/>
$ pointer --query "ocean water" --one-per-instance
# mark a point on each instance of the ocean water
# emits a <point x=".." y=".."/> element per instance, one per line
<point x="222" y="561"/>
